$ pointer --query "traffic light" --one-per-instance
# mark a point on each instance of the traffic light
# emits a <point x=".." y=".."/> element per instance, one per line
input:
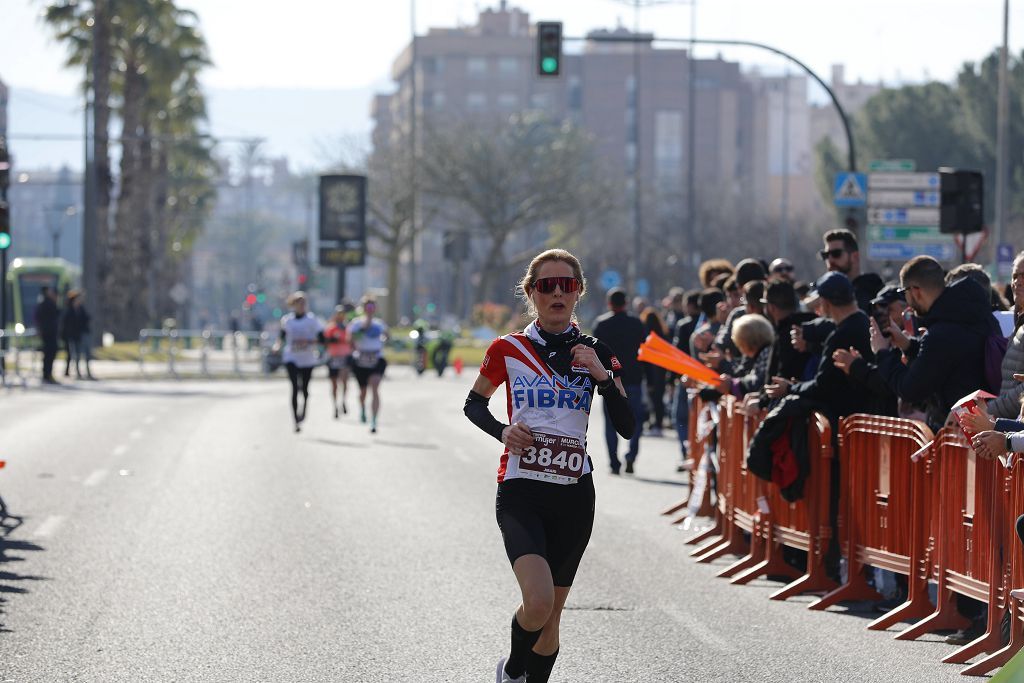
<point x="549" y="48"/>
<point x="302" y="279"/>
<point x="5" y="225"/>
<point x="250" y="299"/>
<point x="5" y="168"/>
<point x="961" y="201"/>
<point x="261" y="298"/>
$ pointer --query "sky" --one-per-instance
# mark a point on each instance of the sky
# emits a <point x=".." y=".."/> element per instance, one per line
<point x="350" y="44"/>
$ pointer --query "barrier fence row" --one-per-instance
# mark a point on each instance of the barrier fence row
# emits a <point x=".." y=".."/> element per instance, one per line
<point x="919" y="504"/>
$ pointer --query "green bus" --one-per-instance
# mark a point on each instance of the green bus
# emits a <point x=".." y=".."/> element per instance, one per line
<point x="26" y="277"/>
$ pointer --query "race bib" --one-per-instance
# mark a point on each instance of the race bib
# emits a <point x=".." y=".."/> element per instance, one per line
<point x="336" y="362"/>
<point x="553" y="458"/>
<point x="367" y="359"/>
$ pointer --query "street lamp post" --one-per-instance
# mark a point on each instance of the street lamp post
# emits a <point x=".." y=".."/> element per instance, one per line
<point x="1002" y="137"/>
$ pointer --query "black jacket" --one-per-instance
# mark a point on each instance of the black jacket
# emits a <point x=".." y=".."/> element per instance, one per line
<point x="47" y="317"/>
<point x="623" y="333"/>
<point x="684" y="329"/>
<point x="948" y="362"/>
<point x="790" y="414"/>
<point x="830" y="386"/>
<point x="786" y="361"/>
<point x="866" y="287"/>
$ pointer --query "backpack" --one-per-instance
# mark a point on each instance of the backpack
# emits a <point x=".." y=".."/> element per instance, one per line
<point x="995" y="348"/>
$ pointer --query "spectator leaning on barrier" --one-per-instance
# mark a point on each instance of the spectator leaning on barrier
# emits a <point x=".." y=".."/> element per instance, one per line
<point x="841" y="254"/>
<point x="714" y="312"/>
<point x="680" y="399"/>
<point x="783" y="309"/>
<point x="753" y="336"/>
<point x="1007" y="404"/>
<point x="623" y="333"/>
<point x="948" y="361"/>
<point x="830" y="387"/>
<point x="747" y="270"/>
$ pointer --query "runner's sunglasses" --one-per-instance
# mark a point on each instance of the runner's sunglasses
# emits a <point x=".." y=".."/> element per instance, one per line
<point x="546" y="285"/>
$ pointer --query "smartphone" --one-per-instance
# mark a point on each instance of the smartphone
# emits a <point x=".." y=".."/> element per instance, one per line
<point x="908" y="322"/>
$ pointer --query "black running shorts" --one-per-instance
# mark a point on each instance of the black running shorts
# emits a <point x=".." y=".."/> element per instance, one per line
<point x="550" y="520"/>
<point x="363" y="374"/>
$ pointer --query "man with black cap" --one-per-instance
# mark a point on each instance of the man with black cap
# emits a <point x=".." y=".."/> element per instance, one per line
<point x="830" y="386"/>
<point x="783" y="308"/>
<point x="624" y="333"/>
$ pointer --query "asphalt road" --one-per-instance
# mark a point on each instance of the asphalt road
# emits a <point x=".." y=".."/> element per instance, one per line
<point x="180" y="531"/>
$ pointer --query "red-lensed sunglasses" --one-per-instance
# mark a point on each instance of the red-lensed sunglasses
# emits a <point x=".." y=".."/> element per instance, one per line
<point x="546" y="285"/>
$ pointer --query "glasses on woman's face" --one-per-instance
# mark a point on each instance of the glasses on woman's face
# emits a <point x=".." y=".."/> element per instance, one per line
<point x="546" y="285"/>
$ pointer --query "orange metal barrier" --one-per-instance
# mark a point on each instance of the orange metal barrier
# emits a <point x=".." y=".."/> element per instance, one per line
<point x="804" y="524"/>
<point x="882" y="509"/>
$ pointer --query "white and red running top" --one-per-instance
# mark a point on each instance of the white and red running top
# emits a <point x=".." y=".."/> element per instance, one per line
<point x="551" y="395"/>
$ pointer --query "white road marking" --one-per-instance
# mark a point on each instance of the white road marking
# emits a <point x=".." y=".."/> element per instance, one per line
<point x="49" y="526"/>
<point x="95" y="478"/>
<point x="121" y="450"/>
<point x="135" y="434"/>
<point x="699" y="631"/>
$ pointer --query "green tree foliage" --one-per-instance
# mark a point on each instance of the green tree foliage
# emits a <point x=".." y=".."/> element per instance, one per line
<point x="939" y="124"/>
<point x="148" y="54"/>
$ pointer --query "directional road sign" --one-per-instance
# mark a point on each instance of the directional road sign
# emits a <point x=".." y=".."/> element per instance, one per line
<point x="903" y="181"/>
<point x="907" y="233"/>
<point x="902" y="251"/>
<point x="903" y="165"/>
<point x="851" y="189"/>
<point x="898" y="198"/>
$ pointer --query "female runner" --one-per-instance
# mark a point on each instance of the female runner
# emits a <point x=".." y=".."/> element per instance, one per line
<point x="545" y="499"/>
<point x="338" y="351"/>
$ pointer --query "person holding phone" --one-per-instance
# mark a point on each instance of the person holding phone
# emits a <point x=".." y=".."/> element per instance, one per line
<point x="545" y="498"/>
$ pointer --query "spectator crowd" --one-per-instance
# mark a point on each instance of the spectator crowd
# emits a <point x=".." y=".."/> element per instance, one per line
<point x="840" y="343"/>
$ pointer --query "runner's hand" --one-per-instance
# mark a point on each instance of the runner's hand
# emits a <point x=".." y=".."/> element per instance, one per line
<point x="517" y="437"/>
<point x="587" y="357"/>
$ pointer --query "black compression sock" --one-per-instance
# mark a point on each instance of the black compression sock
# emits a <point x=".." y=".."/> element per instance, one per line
<point x="538" y="667"/>
<point x="522" y="642"/>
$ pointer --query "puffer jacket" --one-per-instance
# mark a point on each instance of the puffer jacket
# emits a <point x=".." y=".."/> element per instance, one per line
<point x="1007" y="404"/>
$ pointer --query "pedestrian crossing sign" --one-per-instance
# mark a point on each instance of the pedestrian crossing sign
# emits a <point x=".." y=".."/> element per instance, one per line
<point x="851" y="189"/>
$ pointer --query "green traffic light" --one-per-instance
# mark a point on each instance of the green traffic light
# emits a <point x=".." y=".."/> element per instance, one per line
<point x="5" y="240"/>
<point x="549" y="65"/>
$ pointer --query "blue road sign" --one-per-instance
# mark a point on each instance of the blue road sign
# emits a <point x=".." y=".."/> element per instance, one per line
<point x="1004" y="259"/>
<point x="851" y="189"/>
<point x="643" y="287"/>
<point x="610" y="278"/>
<point x="903" y="251"/>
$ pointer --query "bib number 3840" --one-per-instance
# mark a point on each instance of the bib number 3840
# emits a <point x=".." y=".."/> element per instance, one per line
<point x="553" y="458"/>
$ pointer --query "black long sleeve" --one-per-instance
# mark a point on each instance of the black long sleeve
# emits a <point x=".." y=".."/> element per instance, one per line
<point x="479" y="414"/>
<point x="618" y="410"/>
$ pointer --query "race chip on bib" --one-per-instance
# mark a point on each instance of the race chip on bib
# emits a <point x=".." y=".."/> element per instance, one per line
<point x="553" y="458"/>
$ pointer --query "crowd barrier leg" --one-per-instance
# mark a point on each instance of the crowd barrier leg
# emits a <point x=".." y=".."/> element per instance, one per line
<point x="991" y="640"/>
<point x="771" y="563"/>
<point x="731" y="544"/>
<point x="1003" y="657"/>
<point x="944" y="617"/>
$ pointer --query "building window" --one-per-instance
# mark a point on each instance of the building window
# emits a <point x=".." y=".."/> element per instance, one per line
<point x="432" y="65"/>
<point x="508" y="100"/>
<point x="540" y="100"/>
<point x="476" y="66"/>
<point x="668" y="145"/>
<point x="433" y="100"/>
<point x="508" y="67"/>
<point x="475" y="101"/>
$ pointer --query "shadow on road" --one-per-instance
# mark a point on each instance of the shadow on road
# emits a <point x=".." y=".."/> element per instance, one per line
<point x="12" y="582"/>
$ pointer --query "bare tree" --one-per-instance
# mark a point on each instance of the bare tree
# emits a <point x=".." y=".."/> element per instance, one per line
<point x="499" y="178"/>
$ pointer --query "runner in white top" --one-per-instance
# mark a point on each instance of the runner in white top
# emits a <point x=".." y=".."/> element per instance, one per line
<point x="367" y="336"/>
<point x="302" y="334"/>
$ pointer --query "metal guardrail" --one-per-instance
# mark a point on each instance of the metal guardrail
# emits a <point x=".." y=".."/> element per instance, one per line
<point x="172" y="343"/>
<point x="10" y="355"/>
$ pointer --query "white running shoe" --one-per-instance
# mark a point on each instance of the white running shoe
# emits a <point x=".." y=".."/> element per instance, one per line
<point x="502" y="677"/>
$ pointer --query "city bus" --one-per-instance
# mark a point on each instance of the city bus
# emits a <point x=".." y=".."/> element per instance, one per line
<point x="25" y="279"/>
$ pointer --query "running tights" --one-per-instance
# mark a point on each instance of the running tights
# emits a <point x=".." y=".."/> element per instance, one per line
<point x="299" y="377"/>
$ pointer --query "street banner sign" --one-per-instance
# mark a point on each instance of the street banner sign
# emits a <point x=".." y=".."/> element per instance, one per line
<point x="850" y="189"/>
<point x="342" y="208"/>
<point x="342" y="220"/>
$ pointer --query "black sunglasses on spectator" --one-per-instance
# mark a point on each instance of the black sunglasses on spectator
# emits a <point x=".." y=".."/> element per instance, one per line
<point x="782" y="269"/>
<point x="826" y="254"/>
